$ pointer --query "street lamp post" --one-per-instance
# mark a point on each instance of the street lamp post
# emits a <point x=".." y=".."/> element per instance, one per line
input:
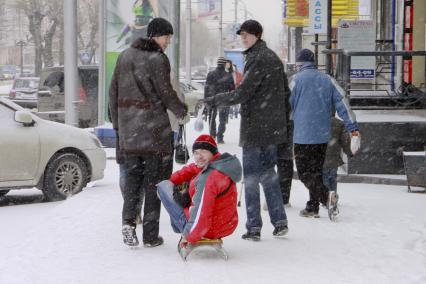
<point x="328" y="58"/>
<point x="188" y="41"/>
<point x="221" y="29"/>
<point x="21" y="45"/>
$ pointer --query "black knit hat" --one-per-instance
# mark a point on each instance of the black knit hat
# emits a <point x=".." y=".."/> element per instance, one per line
<point x="252" y="27"/>
<point x="159" y="27"/>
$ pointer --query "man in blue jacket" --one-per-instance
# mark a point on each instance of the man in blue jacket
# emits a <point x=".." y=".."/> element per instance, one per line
<point x="313" y="96"/>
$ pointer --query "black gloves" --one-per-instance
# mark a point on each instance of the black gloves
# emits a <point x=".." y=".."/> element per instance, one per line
<point x="209" y="102"/>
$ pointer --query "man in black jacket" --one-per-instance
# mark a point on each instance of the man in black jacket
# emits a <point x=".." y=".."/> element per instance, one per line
<point x="140" y="94"/>
<point x="263" y="95"/>
<point x="219" y="81"/>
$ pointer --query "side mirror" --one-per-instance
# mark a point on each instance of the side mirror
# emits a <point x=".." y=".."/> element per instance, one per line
<point x="24" y="117"/>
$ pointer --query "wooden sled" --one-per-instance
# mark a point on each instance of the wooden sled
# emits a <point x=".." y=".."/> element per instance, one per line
<point x="217" y="244"/>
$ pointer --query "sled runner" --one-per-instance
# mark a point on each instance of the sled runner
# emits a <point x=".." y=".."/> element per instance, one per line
<point x="185" y="251"/>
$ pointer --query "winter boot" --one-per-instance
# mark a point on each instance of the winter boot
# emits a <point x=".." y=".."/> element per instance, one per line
<point x="129" y="236"/>
<point x="309" y="212"/>
<point x="154" y="243"/>
<point x="251" y="236"/>
<point x="333" y="209"/>
<point x="280" y="231"/>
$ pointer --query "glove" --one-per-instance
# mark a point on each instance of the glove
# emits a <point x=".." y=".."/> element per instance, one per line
<point x="184" y="120"/>
<point x="355" y="141"/>
<point x="208" y="102"/>
<point x="186" y="109"/>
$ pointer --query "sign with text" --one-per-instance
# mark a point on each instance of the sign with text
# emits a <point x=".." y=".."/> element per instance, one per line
<point x="318" y="16"/>
<point x="358" y="35"/>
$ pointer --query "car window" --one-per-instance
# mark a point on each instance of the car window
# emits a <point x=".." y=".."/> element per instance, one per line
<point x="26" y="83"/>
<point x="6" y="113"/>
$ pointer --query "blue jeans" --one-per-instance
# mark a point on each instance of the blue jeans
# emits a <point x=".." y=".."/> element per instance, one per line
<point x="259" y="168"/>
<point x="177" y="215"/>
<point x="329" y="177"/>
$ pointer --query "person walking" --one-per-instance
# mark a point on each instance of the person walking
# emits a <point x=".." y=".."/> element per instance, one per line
<point x="140" y="94"/>
<point x="262" y="95"/>
<point x="218" y="81"/>
<point x="313" y="96"/>
<point x="339" y="140"/>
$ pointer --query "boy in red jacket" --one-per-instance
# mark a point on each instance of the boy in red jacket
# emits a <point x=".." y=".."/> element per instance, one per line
<point x="212" y="209"/>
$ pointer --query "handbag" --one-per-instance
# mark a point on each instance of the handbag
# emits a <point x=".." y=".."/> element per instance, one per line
<point x="181" y="151"/>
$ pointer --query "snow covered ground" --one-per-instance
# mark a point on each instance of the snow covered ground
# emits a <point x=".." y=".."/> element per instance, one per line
<point x="379" y="238"/>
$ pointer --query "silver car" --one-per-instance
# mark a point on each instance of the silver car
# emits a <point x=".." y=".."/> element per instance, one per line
<point x="56" y="158"/>
<point x="24" y="91"/>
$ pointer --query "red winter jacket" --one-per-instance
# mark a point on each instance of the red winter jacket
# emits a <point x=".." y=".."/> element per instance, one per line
<point x="213" y="210"/>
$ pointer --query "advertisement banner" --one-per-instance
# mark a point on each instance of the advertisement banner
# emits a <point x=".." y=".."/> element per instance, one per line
<point x="358" y="35"/>
<point x="318" y="16"/>
<point x="127" y="20"/>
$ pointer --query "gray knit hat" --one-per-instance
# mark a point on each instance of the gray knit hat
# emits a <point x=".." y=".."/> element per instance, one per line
<point x="221" y="61"/>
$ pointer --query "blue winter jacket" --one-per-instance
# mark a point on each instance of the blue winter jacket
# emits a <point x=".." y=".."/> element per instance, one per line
<point x="313" y="95"/>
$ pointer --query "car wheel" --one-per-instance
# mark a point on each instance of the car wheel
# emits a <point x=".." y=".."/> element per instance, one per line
<point x="66" y="175"/>
<point x="3" y="192"/>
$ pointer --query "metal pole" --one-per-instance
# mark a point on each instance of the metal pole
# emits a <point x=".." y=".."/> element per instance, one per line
<point x="221" y="30"/>
<point x="329" y="34"/>
<point x="235" y="12"/>
<point x="316" y="50"/>
<point x="22" y="57"/>
<point x="70" y="64"/>
<point x="188" y="42"/>
<point x="101" y="79"/>
<point x="173" y="49"/>
<point x="21" y="45"/>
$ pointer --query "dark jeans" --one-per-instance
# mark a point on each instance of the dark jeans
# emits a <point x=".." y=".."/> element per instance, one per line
<point x="309" y="161"/>
<point x="122" y="183"/>
<point x="259" y="168"/>
<point x="223" y="120"/>
<point x="285" y="169"/>
<point x="143" y="173"/>
<point x="330" y="178"/>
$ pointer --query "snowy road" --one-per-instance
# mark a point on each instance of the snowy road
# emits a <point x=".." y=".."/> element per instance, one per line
<point x="380" y="238"/>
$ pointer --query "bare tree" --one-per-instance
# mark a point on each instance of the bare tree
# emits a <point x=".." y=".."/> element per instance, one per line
<point x="43" y="17"/>
<point x="88" y="25"/>
<point x="53" y="14"/>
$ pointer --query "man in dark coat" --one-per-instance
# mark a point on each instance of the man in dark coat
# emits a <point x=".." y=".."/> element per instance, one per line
<point x="219" y="81"/>
<point x="140" y="94"/>
<point x="263" y="95"/>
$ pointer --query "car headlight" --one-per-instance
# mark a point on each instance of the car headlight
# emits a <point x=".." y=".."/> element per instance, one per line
<point x="96" y="140"/>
